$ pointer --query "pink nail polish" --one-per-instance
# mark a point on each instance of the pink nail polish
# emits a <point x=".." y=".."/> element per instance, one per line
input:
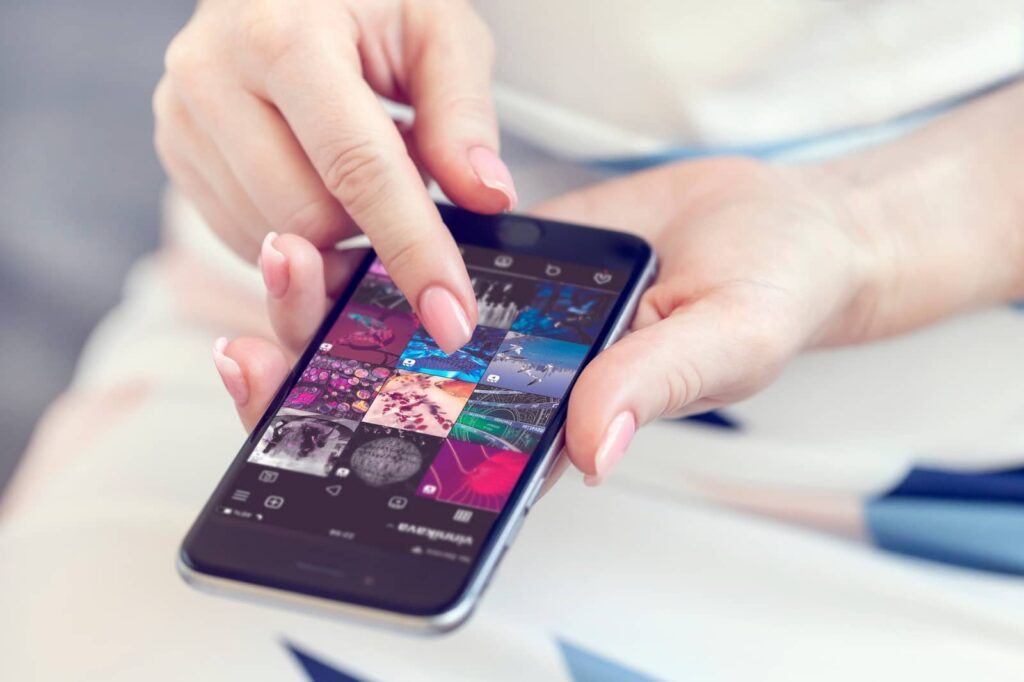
<point x="230" y="373"/>
<point x="444" y="318"/>
<point x="274" y="266"/>
<point x="493" y="173"/>
<point x="616" y="439"/>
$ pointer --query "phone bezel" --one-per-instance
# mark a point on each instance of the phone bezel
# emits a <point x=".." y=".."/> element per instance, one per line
<point x="556" y="240"/>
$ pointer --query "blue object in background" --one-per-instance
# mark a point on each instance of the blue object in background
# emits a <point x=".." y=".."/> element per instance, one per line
<point x="714" y="418"/>
<point x="971" y="519"/>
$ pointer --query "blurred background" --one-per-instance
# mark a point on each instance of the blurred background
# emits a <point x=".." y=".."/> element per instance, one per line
<point x="79" y="183"/>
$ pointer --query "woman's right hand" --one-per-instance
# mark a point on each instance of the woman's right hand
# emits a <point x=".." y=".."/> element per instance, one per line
<point x="268" y="118"/>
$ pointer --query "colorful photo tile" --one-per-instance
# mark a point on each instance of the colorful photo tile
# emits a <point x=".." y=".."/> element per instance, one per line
<point x="370" y="334"/>
<point x="499" y="300"/>
<point x="389" y="459"/>
<point x="531" y="364"/>
<point x="503" y="419"/>
<point x="565" y="312"/>
<point x="419" y="402"/>
<point x="337" y="388"/>
<point x="378" y="290"/>
<point x="303" y="443"/>
<point x="467" y="363"/>
<point x="472" y="475"/>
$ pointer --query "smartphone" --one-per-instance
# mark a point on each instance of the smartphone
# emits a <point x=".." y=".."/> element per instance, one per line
<point x="387" y="479"/>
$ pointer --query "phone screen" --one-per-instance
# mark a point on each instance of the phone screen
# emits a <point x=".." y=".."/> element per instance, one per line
<point x="386" y="443"/>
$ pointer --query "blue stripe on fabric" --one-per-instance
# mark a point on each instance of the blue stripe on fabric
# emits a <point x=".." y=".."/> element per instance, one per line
<point x="715" y="418"/>
<point x="981" y="535"/>
<point x="889" y="129"/>
<point x="1019" y="305"/>
<point x="1006" y="485"/>
<point x="317" y="670"/>
<point x="586" y="666"/>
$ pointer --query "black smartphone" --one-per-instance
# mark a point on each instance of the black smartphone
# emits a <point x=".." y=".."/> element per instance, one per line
<point x="387" y="479"/>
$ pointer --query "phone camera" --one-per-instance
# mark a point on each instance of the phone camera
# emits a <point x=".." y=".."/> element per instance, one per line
<point x="516" y="231"/>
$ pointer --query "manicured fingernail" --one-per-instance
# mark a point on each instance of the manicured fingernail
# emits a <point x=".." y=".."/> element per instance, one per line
<point x="613" y="446"/>
<point x="444" y="318"/>
<point x="230" y="373"/>
<point x="493" y="173"/>
<point x="274" y="266"/>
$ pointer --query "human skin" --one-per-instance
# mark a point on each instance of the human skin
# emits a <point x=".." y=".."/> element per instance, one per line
<point x="268" y="118"/>
<point x="758" y="262"/>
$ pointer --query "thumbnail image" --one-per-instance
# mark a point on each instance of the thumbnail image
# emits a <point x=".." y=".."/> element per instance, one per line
<point x="502" y="419"/>
<point x="302" y="443"/>
<point x="378" y="290"/>
<point x="467" y="363"/>
<point x="337" y="388"/>
<point x="388" y="458"/>
<point x="472" y="475"/>
<point x="419" y="402"/>
<point x="370" y="334"/>
<point x="565" y="312"/>
<point x="532" y="364"/>
<point x="500" y="300"/>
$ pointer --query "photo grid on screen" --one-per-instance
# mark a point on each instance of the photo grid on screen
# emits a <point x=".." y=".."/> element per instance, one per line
<point x="381" y="404"/>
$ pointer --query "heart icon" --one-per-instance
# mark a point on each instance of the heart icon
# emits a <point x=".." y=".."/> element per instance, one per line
<point x="602" y="277"/>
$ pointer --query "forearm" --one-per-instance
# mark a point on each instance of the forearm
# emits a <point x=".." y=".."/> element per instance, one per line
<point x="942" y="213"/>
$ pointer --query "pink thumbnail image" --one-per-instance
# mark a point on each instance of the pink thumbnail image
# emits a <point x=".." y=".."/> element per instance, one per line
<point x="472" y="475"/>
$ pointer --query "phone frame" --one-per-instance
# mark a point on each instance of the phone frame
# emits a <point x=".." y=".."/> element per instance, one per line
<point x="554" y="240"/>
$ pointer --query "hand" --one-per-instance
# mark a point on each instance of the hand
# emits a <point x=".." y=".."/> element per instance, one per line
<point x="268" y="118"/>
<point x="756" y="264"/>
<point x="759" y="262"/>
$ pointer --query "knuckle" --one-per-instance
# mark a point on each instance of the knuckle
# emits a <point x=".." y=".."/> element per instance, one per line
<point x="161" y="100"/>
<point x="318" y="222"/>
<point x="268" y="30"/>
<point x="685" y="383"/>
<point x="356" y="172"/>
<point x="186" y="60"/>
<point x="478" y="109"/>
<point x="403" y="256"/>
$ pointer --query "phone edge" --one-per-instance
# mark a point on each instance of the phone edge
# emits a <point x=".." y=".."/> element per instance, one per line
<point x="463" y="607"/>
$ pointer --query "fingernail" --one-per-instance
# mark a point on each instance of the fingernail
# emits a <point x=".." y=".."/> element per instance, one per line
<point x="493" y="173"/>
<point x="444" y="318"/>
<point x="274" y="266"/>
<point x="613" y="446"/>
<point x="230" y="372"/>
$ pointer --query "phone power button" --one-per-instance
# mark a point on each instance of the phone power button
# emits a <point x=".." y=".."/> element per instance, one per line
<point x="515" y="530"/>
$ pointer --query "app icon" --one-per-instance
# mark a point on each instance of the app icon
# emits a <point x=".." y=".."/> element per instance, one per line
<point x="429" y="489"/>
<point x="408" y="362"/>
<point x="240" y="495"/>
<point x="273" y="502"/>
<point x="602" y="277"/>
<point x="325" y="347"/>
<point x="342" y="472"/>
<point x="398" y="502"/>
<point x="493" y="378"/>
<point x="503" y="261"/>
<point x="267" y="476"/>
<point x="462" y="515"/>
<point x="552" y="270"/>
<point x="334" y="490"/>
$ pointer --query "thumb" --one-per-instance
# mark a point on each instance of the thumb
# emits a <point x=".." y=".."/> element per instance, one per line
<point x="711" y="352"/>
<point x="456" y="130"/>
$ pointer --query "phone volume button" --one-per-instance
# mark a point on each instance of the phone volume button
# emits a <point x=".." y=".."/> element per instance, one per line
<point x="534" y="493"/>
<point x="515" y="531"/>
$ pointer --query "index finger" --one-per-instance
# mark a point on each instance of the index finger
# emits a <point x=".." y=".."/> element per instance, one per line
<point x="363" y="161"/>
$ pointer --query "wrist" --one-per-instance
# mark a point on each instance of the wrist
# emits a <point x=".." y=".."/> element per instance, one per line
<point x="940" y="222"/>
